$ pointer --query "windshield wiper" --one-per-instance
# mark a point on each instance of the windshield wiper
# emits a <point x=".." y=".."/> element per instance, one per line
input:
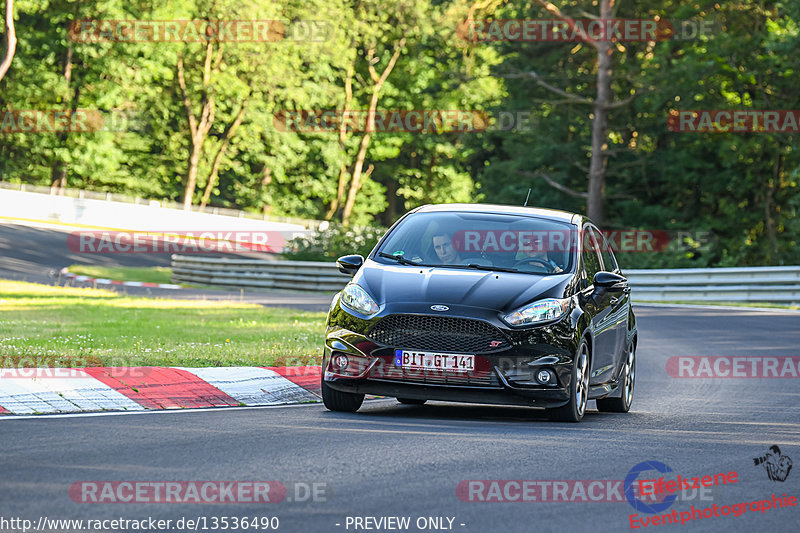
<point x="403" y="261"/>
<point x="400" y="259"/>
<point x="488" y="267"/>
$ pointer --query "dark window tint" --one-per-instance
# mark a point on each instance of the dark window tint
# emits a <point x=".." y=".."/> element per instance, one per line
<point x="591" y="254"/>
<point x="609" y="261"/>
<point x="456" y="239"/>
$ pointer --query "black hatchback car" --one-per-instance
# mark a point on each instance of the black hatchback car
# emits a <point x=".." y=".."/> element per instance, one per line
<point x="484" y="304"/>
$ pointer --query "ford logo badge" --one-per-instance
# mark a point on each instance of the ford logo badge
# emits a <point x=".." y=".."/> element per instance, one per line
<point x="440" y="308"/>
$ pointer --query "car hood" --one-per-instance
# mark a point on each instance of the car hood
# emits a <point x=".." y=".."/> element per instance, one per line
<point x="498" y="291"/>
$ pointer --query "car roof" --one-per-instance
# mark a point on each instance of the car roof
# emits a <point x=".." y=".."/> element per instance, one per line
<point x="502" y="209"/>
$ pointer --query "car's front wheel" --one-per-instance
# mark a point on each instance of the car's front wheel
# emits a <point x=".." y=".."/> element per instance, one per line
<point x="335" y="400"/>
<point x="578" y="389"/>
<point x="623" y="403"/>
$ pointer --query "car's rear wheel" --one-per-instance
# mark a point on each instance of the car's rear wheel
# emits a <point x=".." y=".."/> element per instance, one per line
<point x="578" y="389"/>
<point x="623" y="403"/>
<point x="411" y="401"/>
<point x="335" y="400"/>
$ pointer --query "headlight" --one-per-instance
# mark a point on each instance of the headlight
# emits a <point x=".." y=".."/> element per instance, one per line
<point x="541" y="311"/>
<point x="357" y="299"/>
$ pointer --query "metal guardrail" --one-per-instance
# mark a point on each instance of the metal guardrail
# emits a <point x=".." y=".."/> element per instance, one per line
<point x="756" y="284"/>
<point x="233" y="272"/>
<point x="751" y="284"/>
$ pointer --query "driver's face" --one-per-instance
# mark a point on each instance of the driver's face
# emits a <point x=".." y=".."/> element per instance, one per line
<point x="535" y="250"/>
<point x="443" y="246"/>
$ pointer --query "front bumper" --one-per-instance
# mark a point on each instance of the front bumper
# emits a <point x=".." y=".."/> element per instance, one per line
<point x="506" y="376"/>
<point x="452" y="393"/>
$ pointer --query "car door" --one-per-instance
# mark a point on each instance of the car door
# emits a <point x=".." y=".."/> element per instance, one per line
<point x="620" y="309"/>
<point x="603" y="333"/>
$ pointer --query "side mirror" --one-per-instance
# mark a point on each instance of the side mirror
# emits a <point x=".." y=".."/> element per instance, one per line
<point x="610" y="281"/>
<point x="349" y="264"/>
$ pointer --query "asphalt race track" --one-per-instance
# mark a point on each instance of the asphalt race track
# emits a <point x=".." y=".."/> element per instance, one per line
<point x="34" y="252"/>
<point x="391" y="460"/>
<point x="38" y="253"/>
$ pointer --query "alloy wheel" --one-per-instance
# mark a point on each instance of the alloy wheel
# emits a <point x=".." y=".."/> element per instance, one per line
<point x="582" y="380"/>
<point x="630" y="374"/>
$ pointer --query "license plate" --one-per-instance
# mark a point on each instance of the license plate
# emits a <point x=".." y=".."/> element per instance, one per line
<point x="434" y="361"/>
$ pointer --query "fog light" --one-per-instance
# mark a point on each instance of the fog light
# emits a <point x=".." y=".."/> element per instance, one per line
<point x="543" y="376"/>
<point x="340" y="361"/>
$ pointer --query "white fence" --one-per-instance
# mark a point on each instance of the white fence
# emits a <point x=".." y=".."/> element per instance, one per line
<point x="758" y="284"/>
<point x="136" y="215"/>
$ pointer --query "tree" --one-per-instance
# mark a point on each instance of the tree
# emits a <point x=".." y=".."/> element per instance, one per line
<point x="601" y="104"/>
<point x="742" y="188"/>
<point x="52" y="72"/>
<point x="375" y="36"/>
<point x="219" y="83"/>
<point x="199" y="124"/>
<point x="10" y="39"/>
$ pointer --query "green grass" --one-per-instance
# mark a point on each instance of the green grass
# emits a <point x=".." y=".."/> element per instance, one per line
<point x="43" y="325"/>
<point x="727" y="304"/>
<point x="146" y="274"/>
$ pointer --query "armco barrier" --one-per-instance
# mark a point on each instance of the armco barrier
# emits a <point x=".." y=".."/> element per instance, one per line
<point x="750" y="284"/>
<point x="232" y="272"/>
<point x="756" y="284"/>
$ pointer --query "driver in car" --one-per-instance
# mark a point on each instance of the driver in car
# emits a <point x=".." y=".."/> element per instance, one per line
<point x="443" y="246"/>
<point x="448" y="255"/>
<point x="535" y="255"/>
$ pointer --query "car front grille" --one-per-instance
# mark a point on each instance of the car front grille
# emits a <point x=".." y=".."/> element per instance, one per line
<point x="438" y="333"/>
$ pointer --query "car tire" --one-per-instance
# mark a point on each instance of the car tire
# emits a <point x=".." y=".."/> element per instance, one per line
<point x="623" y="403"/>
<point x="575" y="408"/>
<point x="411" y="401"/>
<point x="335" y="400"/>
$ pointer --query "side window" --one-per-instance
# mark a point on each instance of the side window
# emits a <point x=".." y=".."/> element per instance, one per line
<point x="591" y="254"/>
<point x="609" y="261"/>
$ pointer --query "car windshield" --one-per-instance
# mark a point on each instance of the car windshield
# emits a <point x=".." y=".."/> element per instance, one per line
<point x="483" y="241"/>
